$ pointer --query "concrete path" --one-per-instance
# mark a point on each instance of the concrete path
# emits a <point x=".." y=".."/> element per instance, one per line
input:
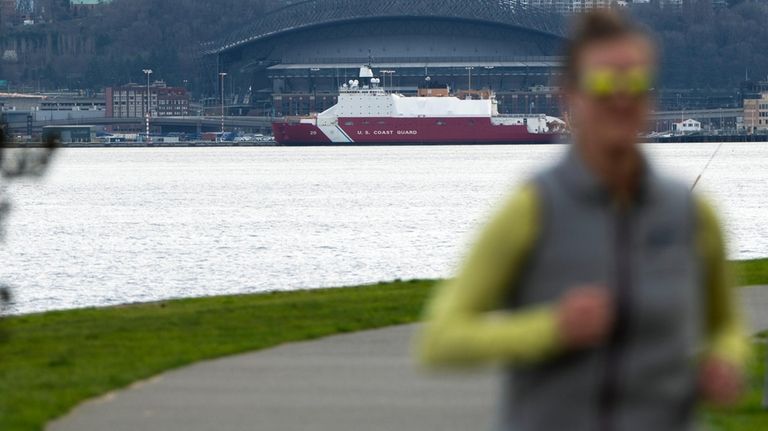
<point x="755" y="303"/>
<point x="355" y="382"/>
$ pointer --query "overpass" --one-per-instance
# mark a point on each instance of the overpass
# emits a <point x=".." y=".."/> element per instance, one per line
<point x="698" y="114"/>
<point x="172" y="124"/>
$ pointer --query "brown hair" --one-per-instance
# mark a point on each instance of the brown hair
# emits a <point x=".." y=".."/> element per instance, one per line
<point x="599" y="25"/>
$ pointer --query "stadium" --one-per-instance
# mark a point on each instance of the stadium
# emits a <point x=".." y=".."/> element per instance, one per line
<point x="292" y="60"/>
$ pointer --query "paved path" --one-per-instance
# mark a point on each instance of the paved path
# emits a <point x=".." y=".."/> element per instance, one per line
<point x="355" y="382"/>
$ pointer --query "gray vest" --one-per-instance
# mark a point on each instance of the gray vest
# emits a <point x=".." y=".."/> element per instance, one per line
<point x="644" y="378"/>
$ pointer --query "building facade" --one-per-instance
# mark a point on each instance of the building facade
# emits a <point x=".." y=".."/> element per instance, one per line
<point x="70" y="134"/>
<point x="8" y="15"/>
<point x="567" y="7"/>
<point x="687" y="126"/>
<point x="131" y="101"/>
<point x="756" y="114"/>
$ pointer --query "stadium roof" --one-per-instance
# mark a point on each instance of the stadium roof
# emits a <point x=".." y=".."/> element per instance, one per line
<point x="316" y="13"/>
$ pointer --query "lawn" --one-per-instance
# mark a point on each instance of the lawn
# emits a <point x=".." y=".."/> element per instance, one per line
<point x="50" y="362"/>
<point x="752" y="272"/>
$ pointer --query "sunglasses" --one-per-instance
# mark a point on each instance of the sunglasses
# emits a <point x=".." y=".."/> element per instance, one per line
<point x="603" y="83"/>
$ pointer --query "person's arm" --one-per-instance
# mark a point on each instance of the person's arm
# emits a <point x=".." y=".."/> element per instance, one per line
<point x="464" y="323"/>
<point x="726" y="338"/>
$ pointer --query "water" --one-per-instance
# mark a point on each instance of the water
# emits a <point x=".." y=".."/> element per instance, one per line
<point x="112" y="226"/>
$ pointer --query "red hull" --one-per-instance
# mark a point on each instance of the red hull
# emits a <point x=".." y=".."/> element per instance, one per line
<point x="389" y="131"/>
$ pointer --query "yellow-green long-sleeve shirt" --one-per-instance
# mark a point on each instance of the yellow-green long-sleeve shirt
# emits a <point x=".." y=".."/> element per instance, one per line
<point x="466" y="321"/>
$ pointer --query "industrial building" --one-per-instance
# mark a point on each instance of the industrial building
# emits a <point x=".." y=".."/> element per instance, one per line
<point x="756" y="114"/>
<point x="293" y="60"/>
<point x="130" y="101"/>
<point x="70" y="134"/>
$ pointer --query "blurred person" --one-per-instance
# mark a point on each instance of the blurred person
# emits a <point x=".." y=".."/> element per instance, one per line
<point x="601" y="284"/>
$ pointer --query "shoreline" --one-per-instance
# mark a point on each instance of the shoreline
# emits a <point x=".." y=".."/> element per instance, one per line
<point x="751" y="272"/>
<point x="683" y="139"/>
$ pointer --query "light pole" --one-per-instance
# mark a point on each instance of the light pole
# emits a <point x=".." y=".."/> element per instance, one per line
<point x="148" y="72"/>
<point x="469" y="70"/>
<point x="391" y="79"/>
<point x="222" y="75"/>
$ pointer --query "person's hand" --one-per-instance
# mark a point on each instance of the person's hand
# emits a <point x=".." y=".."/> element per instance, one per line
<point x="585" y="316"/>
<point x="720" y="383"/>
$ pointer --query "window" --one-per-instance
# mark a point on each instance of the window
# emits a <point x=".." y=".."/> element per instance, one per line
<point x="441" y="123"/>
<point x="349" y="123"/>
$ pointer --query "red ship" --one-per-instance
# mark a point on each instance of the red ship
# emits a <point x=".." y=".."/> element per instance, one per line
<point x="367" y="114"/>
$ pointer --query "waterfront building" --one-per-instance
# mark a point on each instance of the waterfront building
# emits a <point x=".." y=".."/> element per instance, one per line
<point x="130" y="101"/>
<point x="568" y="7"/>
<point x="20" y="101"/>
<point x="48" y="107"/>
<point x="687" y="126"/>
<point x="17" y="123"/>
<point x="756" y="114"/>
<point x="70" y="103"/>
<point x="71" y="133"/>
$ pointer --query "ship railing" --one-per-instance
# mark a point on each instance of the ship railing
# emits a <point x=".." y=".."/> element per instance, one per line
<point x="293" y="119"/>
<point x="521" y="115"/>
<point x="358" y="90"/>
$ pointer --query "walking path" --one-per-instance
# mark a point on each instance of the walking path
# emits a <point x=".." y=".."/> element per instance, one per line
<point x="352" y="382"/>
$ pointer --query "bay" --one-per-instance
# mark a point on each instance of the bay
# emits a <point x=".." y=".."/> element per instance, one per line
<point x="114" y="226"/>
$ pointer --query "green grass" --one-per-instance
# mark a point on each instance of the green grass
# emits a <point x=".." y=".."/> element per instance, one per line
<point x="50" y="362"/>
<point x="752" y="272"/>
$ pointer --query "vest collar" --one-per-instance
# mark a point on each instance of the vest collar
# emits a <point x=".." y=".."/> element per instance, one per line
<point x="582" y="182"/>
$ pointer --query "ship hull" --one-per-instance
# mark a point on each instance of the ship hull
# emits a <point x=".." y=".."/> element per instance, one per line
<point x="407" y="131"/>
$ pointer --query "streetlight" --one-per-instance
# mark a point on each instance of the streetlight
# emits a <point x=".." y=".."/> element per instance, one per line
<point x="222" y="75"/>
<point x="391" y="78"/>
<point x="148" y="72"/>
<point x="469" y="70"/>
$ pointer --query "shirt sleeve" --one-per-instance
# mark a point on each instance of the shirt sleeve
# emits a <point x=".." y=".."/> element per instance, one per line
<point x="464" y="321"/>
<point x="726" y="337"/>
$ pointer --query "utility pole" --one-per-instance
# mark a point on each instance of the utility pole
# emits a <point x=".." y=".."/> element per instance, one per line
<point x="469" y="70"/>
<point x="391" y="79"/>
<point x="148" y="72"/>
<point x="222" y="75"/>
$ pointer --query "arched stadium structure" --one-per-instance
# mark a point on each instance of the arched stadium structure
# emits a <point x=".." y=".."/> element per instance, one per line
<point x="293" y="60"/>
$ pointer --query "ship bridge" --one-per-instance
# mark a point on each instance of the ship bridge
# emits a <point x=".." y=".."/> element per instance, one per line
<point x="292" y="60"/>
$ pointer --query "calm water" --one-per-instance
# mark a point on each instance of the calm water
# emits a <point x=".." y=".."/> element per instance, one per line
<point x="111" y="226"/>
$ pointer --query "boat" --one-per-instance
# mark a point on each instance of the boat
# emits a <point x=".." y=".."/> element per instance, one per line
<point x="367" y="114"/>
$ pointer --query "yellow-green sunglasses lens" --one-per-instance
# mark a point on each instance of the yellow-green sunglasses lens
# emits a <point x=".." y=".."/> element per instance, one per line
<point x="638" y="82"/>
<point x="600" y="83"/>
<point x="605" y="83"/>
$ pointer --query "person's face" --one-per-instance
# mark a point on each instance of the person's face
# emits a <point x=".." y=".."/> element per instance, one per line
<point x="610" y="103"/>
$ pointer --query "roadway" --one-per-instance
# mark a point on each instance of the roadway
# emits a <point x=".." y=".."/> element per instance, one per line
<point x="191" y="124"/>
